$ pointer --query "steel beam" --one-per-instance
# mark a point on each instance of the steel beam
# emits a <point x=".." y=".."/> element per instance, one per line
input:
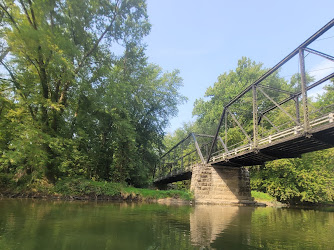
<point x="212" y="136"/>
<point x="304" y="89"/>
<point x="176" y="145"/>
<point x="297" y="108"/>
<point x="216" y="135"/>
<point x="326" y="78"/>
<point x="239" y="125"/>
<point x="255" y="128"/>
<point x="276" y="89"/>
<point x="270" y="122"/>
<point x="311" y="39"/>
<point x="278" y="106"/>
<point x="198" y="148"/>
<point x="318" y="53"/>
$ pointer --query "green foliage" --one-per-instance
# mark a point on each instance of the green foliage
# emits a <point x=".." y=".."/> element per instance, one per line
<point x="309" y="179"/>
<point x="6" y="181"/>
<point x="80" y="186"/>
<point x="229" y="85"/>
<point x="78" y="96"/>
<point x="183" y="185"/>
<point x="159" y="194"/>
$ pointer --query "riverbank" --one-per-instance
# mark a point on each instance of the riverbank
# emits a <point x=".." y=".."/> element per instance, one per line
<point x="83" y="189"/>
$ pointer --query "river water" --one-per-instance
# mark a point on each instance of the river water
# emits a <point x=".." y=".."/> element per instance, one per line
<point x="38" y="224"/>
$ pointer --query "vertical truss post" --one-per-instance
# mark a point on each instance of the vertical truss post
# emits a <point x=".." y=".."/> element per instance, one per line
<point x="297" y="109"/>
<point x="174" y="161"/>
<point x="169" y="163"/>
<point x="181" y="155"/>
<point x="154" y="170"/>
<point x="304" y="89"/>
<point x="162" y="167"/>
<point x="226" y="132"/>
<point x="255" y="119"/>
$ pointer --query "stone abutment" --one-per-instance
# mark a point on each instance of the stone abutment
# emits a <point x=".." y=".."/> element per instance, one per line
<point x="221" y="185"/>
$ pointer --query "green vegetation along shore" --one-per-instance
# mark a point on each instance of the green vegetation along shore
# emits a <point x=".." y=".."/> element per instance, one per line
<point x="83" y="189"/>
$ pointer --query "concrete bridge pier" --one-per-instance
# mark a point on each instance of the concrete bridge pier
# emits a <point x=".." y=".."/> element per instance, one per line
<point x="221" y="185"/>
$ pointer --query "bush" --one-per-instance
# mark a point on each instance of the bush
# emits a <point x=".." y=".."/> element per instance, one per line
<point x="80" y="186"/>
<point x="306" y="180"/>
<point x="6" y="181"/>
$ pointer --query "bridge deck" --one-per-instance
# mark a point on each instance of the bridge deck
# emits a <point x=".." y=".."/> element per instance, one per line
<point x="181" y="175"/>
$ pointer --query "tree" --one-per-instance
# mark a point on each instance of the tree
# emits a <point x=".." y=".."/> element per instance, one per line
<point x="81" y="97"/>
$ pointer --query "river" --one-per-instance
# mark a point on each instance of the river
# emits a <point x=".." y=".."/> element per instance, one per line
<point x="37" y="224"/>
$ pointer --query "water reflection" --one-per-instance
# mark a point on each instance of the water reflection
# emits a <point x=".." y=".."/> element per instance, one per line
<point x="31" y="224"/>
<point x="207" y="222"/>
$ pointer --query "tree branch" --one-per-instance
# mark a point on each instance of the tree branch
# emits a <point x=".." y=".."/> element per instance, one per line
<point x="4" y="54"/>
<point x="10" y="16"/>
<point x="18" y="87"/>
<point x="16" y="83"/>
<point x="98" y="41"/>
<point x="26" y="12"/>
<point x="62" y="98"/>
<point x="32" y="15"/>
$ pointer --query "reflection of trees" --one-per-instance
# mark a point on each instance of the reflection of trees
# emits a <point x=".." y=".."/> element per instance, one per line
<point x="292" y="228"/>
<point x="272" y="228"/>
<point x="30" y="224"/>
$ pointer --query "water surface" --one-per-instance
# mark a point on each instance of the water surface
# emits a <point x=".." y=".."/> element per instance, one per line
<point x="37" y="224"/>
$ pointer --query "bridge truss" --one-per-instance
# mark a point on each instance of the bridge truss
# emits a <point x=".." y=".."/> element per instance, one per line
<point x="266" y="121"/>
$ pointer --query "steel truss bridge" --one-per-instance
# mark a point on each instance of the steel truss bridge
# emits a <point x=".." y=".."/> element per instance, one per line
<point x="266" y="121"/>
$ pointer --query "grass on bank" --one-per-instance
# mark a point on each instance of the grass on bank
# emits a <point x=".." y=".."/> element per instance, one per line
<point x="80" y="187"/>
<point x="264" y="197"/>
<point x="159" y="194"/>
<point x="97" y="188"/>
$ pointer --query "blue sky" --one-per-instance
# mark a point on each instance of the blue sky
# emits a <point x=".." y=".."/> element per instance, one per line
<point x="204" y="39"/>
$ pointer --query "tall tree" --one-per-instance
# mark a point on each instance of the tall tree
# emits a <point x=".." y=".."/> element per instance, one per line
<point x="81" y="97"/>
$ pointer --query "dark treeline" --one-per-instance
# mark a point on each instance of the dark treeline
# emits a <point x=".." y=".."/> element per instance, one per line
<point x="78" y="96"/>
<point x="309" y="179"/>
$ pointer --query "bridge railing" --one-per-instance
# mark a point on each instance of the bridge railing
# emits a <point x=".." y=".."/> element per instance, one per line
<point x="220" y="155"/>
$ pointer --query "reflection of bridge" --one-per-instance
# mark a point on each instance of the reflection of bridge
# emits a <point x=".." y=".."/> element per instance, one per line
<point x="264" y="122"/>
<point x="208" y="222"/>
